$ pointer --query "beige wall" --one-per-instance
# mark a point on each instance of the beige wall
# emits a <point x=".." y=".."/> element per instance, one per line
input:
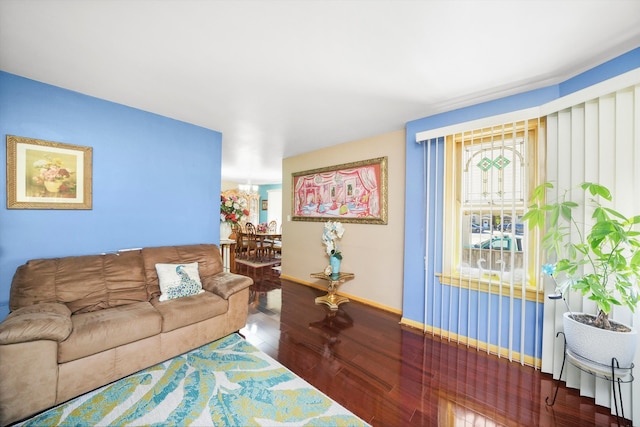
<point x="373" y="252"/>
<point x="228" y="185"/>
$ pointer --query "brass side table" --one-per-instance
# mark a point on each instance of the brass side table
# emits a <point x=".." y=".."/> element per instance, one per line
<point x="332" y="299"/>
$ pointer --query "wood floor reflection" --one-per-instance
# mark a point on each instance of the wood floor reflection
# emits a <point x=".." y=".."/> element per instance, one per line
<point x="390" y="375"/>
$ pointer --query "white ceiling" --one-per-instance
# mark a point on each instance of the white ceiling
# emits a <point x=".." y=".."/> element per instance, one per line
<point x="281" y="78"/>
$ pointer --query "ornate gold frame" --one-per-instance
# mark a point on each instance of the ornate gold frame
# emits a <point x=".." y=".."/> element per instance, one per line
<point x="333" y="172"/>
<point x="24" y="193"/>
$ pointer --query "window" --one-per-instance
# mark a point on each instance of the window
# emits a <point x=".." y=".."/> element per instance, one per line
<point x="491" y="172"/>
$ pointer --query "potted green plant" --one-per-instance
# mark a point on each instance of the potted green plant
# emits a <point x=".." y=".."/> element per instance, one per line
<point x="601" y="260"/>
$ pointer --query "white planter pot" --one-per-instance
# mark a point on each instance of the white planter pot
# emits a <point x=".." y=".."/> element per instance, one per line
<point x="600" y="345"/>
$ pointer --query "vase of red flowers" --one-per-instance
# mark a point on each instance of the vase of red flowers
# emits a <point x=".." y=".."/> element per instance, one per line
<point x="232" y="210"/>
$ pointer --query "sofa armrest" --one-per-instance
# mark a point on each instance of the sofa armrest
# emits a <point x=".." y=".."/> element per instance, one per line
<point x="44" y="321"/>
<point x="226" y="284"/>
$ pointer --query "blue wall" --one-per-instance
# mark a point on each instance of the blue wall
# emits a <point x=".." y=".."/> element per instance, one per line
<point x="156" y="181"/>
<point x="415" y="214"/>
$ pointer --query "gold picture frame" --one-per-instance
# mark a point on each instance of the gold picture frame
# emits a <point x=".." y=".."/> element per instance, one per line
<point x="48" y="175"/>
<point x="351" y="192"/>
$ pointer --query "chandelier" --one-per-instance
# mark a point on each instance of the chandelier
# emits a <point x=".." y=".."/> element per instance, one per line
<point x="248" y="189"/>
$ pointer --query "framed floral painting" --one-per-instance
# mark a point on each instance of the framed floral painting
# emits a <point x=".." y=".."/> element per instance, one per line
<point x="48" y="175"/>
<point x="351" y="192"/>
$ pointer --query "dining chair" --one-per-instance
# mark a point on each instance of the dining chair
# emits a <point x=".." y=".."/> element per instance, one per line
<point x="252" y="243"/>
<point x="236" y="234"/>
<point x="276" y="247"/>
<point x="276" y="243"/>
<point x="235" y="229"/>
<point x="272" y="228"/>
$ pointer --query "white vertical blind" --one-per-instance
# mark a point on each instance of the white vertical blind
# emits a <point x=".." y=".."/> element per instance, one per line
<point x="432" y="152"/>
<point x="596" y="141"/>
<point x="477" y="186"/>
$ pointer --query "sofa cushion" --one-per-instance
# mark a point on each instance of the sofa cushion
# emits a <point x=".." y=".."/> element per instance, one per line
<point x="45" y="321"/>
<point x="33" y="283"/>
<point x="226" y="284"/>
<point x="84" y="283"/>
<point x="101" y="330"/>
<point x="124" y="278"/>
<point x="178" y="280"/>
<point x="207" y="256"/>
<point x="185" y="311"/>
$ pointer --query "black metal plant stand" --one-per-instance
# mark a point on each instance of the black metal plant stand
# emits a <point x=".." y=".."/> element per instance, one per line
<point x="613" y="373"/>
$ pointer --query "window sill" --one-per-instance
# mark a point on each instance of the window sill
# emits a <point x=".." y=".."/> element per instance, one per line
<point x="493" y="286"/>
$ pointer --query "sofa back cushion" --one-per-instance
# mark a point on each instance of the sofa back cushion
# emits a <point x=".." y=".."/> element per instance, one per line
<point x="207" y="256"/>
<point x="84" y="283"/>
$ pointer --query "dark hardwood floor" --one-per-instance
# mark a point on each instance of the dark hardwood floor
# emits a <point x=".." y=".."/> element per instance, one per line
<point x="390" y="375"/>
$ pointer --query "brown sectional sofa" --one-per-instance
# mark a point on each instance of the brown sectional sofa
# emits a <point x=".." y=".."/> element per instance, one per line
<point x="78" y="323"/>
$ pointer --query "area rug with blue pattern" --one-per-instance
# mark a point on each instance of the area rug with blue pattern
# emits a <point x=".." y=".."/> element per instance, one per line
<point x="228" y="382"/>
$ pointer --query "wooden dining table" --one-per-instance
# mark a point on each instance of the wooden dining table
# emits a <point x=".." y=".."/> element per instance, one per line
<point x="264" y="242"/>
<point x="267" y="240"/>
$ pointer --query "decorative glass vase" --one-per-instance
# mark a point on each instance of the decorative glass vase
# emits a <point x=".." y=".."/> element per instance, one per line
<point x="335" y="264"/>
<point x="225" y="230"/>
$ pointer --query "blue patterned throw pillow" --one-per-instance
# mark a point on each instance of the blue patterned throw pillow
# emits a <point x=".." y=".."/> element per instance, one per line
<point x="178" y="280"/>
